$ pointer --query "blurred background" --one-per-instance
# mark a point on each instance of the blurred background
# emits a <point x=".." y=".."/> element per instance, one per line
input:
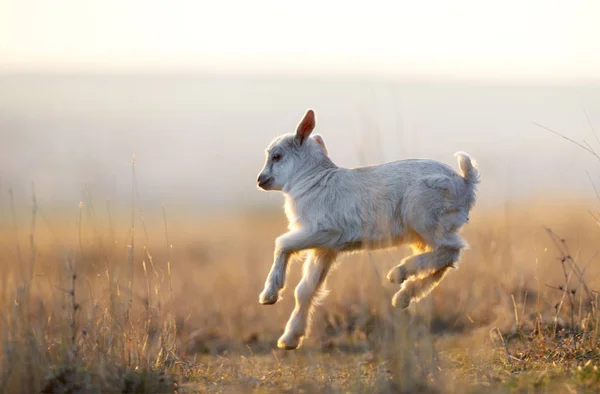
<point x="196" y="90"/>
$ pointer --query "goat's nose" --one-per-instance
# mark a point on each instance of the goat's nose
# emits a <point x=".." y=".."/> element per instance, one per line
<point x="258" y="179"/>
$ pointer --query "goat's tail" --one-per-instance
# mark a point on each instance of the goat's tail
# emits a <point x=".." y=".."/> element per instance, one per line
<point x="467" y="167"/>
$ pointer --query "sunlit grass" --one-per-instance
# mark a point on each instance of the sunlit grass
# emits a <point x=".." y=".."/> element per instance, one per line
<point x="168" y="301"/>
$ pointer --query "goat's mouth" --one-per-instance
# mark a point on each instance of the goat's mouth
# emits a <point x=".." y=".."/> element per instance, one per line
<point x="265" y="184"/>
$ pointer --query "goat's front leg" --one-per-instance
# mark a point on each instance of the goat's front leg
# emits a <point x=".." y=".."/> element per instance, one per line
<point x="316" y="268"/>
<point x="275" y="280"/>
<point x="285" y="246"/>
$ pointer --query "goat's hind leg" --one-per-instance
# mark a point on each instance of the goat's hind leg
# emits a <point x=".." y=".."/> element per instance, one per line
<point x="394" y="275"/>
<point x="414" y="289"/>
<point x="316" y="267"/>
<point x="443" y="252"/>
<point x="421" y="273"/>
<point x="423" y="265"/>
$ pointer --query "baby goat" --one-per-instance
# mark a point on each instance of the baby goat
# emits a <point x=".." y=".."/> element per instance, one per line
<point x="418" y="202"/>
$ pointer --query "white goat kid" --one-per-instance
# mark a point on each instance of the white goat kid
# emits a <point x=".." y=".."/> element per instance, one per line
<point x="418" y="202"/>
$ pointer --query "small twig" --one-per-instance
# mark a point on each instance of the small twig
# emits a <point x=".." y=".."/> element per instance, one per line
<point x="32" y="234"/>
<point x="516" y="312"/>
<point x="524" y="301"/>
<point x="130" y="257"/>
<point x="595" y="217"/>
<point x="588" y="145"/>
<point x="168" y="251"/>
<point x="509" y="357"/>
<point x="73" y="278"/>
<point x="566" y="254"/>
<point x="169" y="273"/>
<point x="590" y="124"/>
<point x="593" y="186"/>
<point x="570" y="140"/>
<point x="559" y="288"/>
<point x="560" y="304"/>
<point x="16" y="229"/>
<point x="132" y="240"/>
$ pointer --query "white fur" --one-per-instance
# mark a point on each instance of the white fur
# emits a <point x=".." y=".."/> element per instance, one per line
<point x="419" y="202"/>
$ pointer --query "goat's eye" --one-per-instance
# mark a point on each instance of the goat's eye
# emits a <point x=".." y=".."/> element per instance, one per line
<point x="276" y="157"/>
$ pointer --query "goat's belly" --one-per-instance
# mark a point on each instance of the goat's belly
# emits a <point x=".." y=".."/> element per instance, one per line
<point x="372" y="243"/>
<point x="352" y="246"/>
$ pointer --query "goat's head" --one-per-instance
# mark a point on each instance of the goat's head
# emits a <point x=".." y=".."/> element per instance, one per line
<point x="289" y="154"/>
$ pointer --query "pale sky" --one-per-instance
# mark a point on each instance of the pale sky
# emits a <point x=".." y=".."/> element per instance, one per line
<point x="530" y="39"/>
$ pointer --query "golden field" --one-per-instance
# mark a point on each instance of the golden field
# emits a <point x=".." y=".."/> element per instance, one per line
<point x="166" y="300"/>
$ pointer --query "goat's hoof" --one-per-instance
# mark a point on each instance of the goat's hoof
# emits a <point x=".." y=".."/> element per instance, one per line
<point x="401" y="300"/>
<point x="397" y="275"/>
<point x="289" y="342"/>
<point x="268" y="297"/>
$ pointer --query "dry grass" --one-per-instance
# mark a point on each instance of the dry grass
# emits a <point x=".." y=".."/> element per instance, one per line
<point x="95" y="301"/>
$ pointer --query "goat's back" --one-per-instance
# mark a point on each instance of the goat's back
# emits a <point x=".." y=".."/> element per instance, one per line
<point x="376" y="201"/>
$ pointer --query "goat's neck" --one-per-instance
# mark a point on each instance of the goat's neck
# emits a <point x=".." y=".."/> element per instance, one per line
<point x="307" y="178"/>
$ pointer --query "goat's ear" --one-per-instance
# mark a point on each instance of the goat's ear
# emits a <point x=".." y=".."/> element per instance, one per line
<point x="306" y="126"/>
<point x="320" y="141"/>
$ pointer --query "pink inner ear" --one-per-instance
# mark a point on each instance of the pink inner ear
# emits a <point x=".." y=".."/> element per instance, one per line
<point x="320" y="141"/>
<point x="307" y="125"/>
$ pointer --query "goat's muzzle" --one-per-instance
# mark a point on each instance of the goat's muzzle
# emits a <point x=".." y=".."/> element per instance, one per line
<point x="264" y="181"/>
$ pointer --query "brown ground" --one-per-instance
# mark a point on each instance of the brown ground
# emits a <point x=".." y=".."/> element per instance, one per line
<point x="515" y="316"/>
